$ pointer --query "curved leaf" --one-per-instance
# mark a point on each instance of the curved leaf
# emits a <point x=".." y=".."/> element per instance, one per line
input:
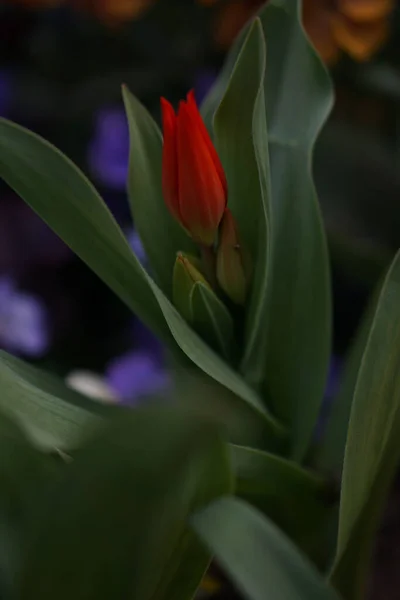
<point x="298" y="99"/>
<point x="212" y="365"/>
<point x="330" y="454"/>
<point x="63" y="197"/>
<point x="257" y="556"/>
<point x="26" y="475"/>
<point x="161" y="235"/>
<point x="53" y="415"/>
<point x="297" y="500"/>
<point x="116" y="525"/>
<point x="372" y="448"/>
<point x="241" y="139"/>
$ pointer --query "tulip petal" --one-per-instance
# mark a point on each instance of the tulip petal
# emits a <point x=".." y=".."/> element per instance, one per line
<point x="169" y="159"/>
<point x="201" y="195"/>
<point x="197" y="118"/>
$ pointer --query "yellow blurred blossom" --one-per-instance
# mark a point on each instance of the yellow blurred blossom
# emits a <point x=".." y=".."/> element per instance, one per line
<point x="114" y="12"/>
<point x="357" y="27"/>
<point x="230" y="20"/>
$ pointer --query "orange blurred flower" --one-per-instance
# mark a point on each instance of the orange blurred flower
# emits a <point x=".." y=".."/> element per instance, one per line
<point x="230" y="20"/>
<point x="114" y="12"/>
<point x="357" y="27"/>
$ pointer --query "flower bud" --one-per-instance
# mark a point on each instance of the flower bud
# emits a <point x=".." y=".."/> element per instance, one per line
<point x="233" y="264"/>
<point x="193" y="180"/>
<point x="187" y="272"/>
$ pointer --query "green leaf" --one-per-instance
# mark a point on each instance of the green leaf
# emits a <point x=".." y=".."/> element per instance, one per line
<point x="297" y="500"/>
<point x="212" y="365"/>
<point x="212" y="319"/>
<point x="256" y="555"/>
<point x="372" y="448"/>
<point x="298" y="99"/>
<point x="63" y="197"/>
<point x="117" y="526"/>
<point x="66" y="200"/>
<point x="161" y="235"/>
<point x="330" y="454"/>
<point x="241" y="139"/>
<point x="25" y="476"/>
<point x="52" y="414"/>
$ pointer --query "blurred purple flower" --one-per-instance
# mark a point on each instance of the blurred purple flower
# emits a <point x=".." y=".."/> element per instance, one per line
<point x="109" y="148"/>
<point x="203" y="83"/>
<point x="23" y="321"/>
<point x="332" y="383"/>
<point x="136" y="244"/>
<point x="136" y="375"/>
<point x="331" y="390"/>
<point x="141" y="372"/>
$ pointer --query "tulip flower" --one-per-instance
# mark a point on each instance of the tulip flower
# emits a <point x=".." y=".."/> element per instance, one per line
<point x="233" y="263"/>
<point x="193" y="180"/>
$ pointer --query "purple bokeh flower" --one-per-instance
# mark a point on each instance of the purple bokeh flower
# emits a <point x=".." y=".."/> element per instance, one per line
<point x="136" y="375"/>
<point x="136" y="244"/>
<point x="331" y="390"/>
<point x="109" y="148"/>
<point x="23" y="321"/>
<point x="332" y="384"/>
<point x="140" y="372"/>
<point x="203" y="83"/>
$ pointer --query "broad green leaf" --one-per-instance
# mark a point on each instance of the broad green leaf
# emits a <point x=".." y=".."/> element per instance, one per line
<point x="26" y="474"/>
<point x="297" y="500"/>
<point x="261" y="561"/>
<point x="241" y="139"/>
<point x="53" y="415"/>
<point x="66" y="200"/>
<point x="161" y="235"/>
<point x="215" y="367"/>
<point x="63" y="197"/>
<point x="372" y="447"/>
<point x="212" y="319"/>
<point x="117" y="525"/>
<point x="298" y="99"/>
<point x="241" y="422"/>
<point x="330" y="454"/>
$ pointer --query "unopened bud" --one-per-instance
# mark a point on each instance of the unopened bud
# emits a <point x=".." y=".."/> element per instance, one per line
<point x="187" y="272"/>
<point x="233" y="264"/>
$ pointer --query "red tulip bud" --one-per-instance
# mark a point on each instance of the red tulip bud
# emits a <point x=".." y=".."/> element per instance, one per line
<point x="233" y="262"/>
<point x="193" y="180"/>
